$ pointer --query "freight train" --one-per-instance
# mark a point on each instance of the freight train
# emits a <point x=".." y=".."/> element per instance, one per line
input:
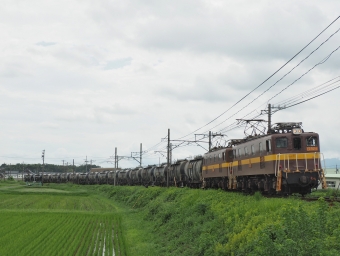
<point x="286" y="160"/>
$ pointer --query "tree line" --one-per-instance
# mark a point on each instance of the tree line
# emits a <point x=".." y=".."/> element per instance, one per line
<point x="36" y="168"/>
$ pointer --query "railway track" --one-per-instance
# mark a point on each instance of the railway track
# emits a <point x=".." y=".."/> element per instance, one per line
<point x="329" y="199"/>
<point x="326" y="199"/>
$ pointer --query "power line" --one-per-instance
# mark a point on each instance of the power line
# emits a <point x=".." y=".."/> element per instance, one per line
<point x="310" y="92"/>
<point x="312" y="97"/>
<point x="264" y="80"/>
<point x="283" y="102"/>
<point x="321" y="62"/>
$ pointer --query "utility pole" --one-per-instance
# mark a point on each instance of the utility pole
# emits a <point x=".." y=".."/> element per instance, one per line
<point x="86" y="164"/>
<point x="209" y="140"/>
<point x="168" y="162"/>
<point x="140" y="155"/>
<point x="63" y="165"/>
<point x="170" y="153"/>
<point x="43" y="158"/>
<point x="269" y="116"/>
<point x="91" y="163"/>
<point x="116" y="162"/>
<point x="23" y="171"/>
<point x="135" y="154"/>
<point x="271" y="109"/>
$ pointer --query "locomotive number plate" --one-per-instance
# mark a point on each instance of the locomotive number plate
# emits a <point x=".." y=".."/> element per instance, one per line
<point x="312" y="148"/>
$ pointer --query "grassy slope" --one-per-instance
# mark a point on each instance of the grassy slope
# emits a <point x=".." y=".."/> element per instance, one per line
<point x="208" y="222"/>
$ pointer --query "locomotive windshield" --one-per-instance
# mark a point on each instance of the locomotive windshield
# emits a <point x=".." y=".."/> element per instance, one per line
<point x="312" y="141"/>
<point x="281" y="142"/>
<point x="297" y="143"/>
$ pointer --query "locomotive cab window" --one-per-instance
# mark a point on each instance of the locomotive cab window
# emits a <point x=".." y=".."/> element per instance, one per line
<point x="231" y="154"/>
<point x="239" y="152"/>
<point x="245" y="151"/>
<point x="281" y="142"/>
<point x="311" y="141"/>
<point x="268" y="145"/>
<point x="252" y="150"/>
<point x="260" y="147"/>
<point x="297" y="143"/>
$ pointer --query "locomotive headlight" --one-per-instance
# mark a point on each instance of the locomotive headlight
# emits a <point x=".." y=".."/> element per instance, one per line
<point x="297" y="131"/>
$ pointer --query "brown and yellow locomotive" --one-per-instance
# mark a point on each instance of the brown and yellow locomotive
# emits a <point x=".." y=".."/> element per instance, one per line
<point x="286" y="160"/>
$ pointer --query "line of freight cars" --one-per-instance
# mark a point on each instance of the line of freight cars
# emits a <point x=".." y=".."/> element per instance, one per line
<point x="182" y="173"/>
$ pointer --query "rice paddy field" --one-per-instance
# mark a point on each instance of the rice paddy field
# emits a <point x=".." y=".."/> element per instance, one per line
<point x="57" y="220"/>
<point x="68" y="219"/>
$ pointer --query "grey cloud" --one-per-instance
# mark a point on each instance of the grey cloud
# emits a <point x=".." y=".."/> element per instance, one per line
<point x="115" y="109"/>
<point x="45" y="44"/>
<point x="203" y="90"/>
<point x="119" y="63"/>
<point x="251" y="34"/>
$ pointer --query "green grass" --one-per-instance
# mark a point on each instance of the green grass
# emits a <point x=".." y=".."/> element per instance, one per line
<point x="212" y="222"/>
<point x="56" y="233"/>
<point x="57" y="220"/>
<point x="67" y="219"/>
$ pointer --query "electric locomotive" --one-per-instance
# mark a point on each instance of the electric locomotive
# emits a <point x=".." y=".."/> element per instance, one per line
<point x="284" y="161"/>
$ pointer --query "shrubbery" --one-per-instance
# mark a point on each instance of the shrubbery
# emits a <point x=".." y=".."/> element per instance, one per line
<point x="211" y="222"/>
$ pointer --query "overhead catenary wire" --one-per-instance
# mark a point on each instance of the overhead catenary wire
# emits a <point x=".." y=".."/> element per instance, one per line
<point x="148" y="152"/>
<point x="313" y="97"/>
<point x="263" y="81"/>
<point x="319" y="90"/>
<point x="310" y="91"/>
<point x="319" y="63"/>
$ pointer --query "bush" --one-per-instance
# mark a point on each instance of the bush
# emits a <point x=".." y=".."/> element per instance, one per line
<point x="211" y="222"/>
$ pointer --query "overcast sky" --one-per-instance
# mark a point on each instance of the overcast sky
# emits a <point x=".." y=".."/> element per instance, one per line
<point x="79" y="78"/>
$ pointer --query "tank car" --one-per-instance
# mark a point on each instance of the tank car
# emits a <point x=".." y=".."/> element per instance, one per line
<point x="147" y="175"/>
<point x="103" y="177"/>
<point x="160" y="175"/>
<point x="121" y="177"/>
<point x="92" y="178"/>
<point x="177" y="170"/>
<point x="71" y="177"/>
<point x="46" y="178"/>
<point x="193" y="171"/>
<point x="111" y="177"/>
<point x="135" y="176"/>
<point x="55" y="178"/>
<point x="64" y="177"/>
<point x="81" y="178"/>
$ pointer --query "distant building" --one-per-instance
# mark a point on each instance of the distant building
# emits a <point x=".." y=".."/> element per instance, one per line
<point x="15" y="174"/>
<point x="332" y="178"/>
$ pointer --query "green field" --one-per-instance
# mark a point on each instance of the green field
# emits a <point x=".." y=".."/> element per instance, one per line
<point x="51" y="221"/>
<point x="67" y="219"/>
